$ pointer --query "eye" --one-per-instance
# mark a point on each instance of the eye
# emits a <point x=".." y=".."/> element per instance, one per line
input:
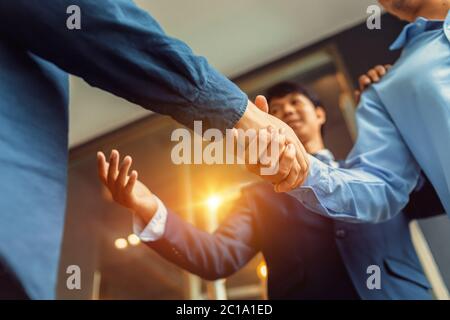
<point x="273" y="109"/>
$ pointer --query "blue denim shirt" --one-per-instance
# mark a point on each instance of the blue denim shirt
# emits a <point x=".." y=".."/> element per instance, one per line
<point x="120" y="49"/>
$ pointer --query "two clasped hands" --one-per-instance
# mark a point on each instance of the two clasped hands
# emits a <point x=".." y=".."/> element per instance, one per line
<point x="292" y="162"/>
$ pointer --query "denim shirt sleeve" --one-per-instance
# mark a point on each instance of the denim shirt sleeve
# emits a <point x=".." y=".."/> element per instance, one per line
<point x="122" y="49"/>
<point x="376" y="179"/>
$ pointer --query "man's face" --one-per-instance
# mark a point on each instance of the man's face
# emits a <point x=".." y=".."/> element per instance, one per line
<point x="300" y="114"/>
<point x="403" y="9"/>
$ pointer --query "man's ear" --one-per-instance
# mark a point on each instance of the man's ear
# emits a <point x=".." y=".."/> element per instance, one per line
<point x="321" y="115"/>
<point x="261" y="103"/>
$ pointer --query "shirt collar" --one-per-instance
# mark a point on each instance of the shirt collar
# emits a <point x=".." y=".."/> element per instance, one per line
<point x="325" y="156"/>
<point x="414" y="29"/>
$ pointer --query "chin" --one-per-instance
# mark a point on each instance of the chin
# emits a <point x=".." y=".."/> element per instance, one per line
<point x="303" y="136"/>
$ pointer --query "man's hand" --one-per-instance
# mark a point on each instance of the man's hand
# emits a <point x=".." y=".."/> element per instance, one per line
<point x="374" y="75"/>
<point x="126" y="189"/>
<point x="293" y="159"/>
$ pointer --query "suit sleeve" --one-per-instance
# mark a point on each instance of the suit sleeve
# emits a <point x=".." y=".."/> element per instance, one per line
<point x="210" y="256"/>
<point x="122" y="49"/>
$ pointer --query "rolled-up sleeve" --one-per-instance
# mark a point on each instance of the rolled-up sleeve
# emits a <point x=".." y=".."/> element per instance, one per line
<point x="122" y="49"/>
<point x="376" y="179"/>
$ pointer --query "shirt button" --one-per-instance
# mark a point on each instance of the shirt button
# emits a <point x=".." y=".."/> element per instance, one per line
<point x="341" y="233"/>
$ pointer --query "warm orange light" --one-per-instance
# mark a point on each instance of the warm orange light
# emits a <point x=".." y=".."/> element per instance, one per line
<point x="261" y="270"/>
<point x="121" y="243"/>
<point x="214" y="202"/>
<point x="133" y="239"/>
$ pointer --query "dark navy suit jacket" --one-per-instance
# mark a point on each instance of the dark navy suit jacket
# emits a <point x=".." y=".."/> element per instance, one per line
<point x="308" y="256"/>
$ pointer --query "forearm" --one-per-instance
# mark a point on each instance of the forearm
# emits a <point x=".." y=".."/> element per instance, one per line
<point x="353" y="195"/>
<point x="210" y="256"/>
<point x="122" y="49"/>
<point x="377" y="177"/>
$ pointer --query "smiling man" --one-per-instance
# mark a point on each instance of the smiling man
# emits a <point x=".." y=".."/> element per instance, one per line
<point x="308" y="256"/>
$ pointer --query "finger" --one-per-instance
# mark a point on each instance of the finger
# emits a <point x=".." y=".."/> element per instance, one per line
<point x="102" y="166"/>
<point x="276" y="145"/>
<point x="388" y="66"/>
<point x="287" y="161"/>
<point x="123" y="172"/>
<point x="262" y="104"/>
<point x="270" y="160"/>
<point x="373" y="75"/>
<point x="131" y="182"/>
<point x="270" y="151"/>
<point x="381" y="70"/>
<point x="364" y="82"/>
<point x="112" y="170"/>
<point x="264" y="137"/>
<point x="289" y="182"/>
<point x="303" y="160"/>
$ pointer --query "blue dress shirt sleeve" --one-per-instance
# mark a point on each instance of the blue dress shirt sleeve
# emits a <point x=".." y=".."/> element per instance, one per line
<point x="122" y="49"/>
<point x="375" y="182"/>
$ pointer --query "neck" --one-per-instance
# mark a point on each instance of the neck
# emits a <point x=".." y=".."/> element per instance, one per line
<point x="314" y="145"/>
<point x="434" y="9"/>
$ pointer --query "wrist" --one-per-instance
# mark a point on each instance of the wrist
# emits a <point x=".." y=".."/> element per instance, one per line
<point x="253" y="118"/>
<point x="147" y="210"/>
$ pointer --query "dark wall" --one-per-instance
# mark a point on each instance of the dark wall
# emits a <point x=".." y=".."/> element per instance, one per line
<point x="361" y="48"/>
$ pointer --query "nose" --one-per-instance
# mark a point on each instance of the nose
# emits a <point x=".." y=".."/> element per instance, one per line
<point x="288" y="109"/>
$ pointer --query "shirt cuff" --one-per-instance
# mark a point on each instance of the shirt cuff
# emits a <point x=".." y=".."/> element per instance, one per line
<point x="220" y="103"/>
<point x="154" y="230"/>
<point x="312" y="196"/>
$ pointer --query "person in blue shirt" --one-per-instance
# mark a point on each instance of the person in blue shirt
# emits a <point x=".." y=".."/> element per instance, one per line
<point x="403" y="127"/>
<point x="308" y="256"/>
<point x="119" y="48"/>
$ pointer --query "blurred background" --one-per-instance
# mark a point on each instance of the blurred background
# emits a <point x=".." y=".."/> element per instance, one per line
<point x="325" y="44"/>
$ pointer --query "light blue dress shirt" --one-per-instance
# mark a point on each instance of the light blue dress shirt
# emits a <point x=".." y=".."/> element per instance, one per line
<point x="403" y="128"/>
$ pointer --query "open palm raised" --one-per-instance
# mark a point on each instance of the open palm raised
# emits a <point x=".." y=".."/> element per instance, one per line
<point x="125" y="188"/>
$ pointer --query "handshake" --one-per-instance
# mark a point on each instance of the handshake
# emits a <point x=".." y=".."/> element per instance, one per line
<point x="280" y="146"/>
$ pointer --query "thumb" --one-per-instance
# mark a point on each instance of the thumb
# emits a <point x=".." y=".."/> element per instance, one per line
<point x="261" y="103"/>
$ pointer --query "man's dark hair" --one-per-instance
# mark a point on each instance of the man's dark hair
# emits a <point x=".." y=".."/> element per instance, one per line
<point x="284" y="88"/>
<point x="288" y="87"/>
